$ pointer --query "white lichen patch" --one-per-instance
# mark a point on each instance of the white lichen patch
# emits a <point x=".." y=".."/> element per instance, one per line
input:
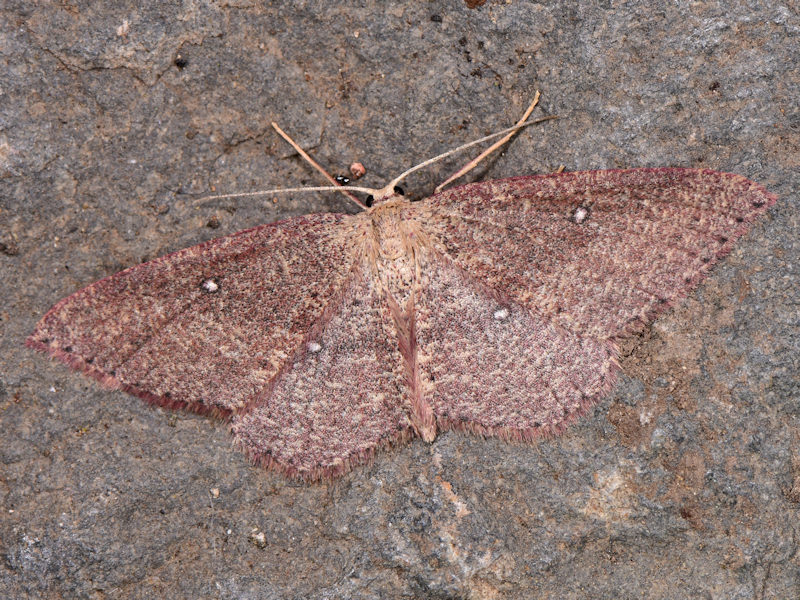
<point x="210" y="286"/>
<point x="123" y="29"/>
<point x="611" y="498"/>
<point x="258" y="539"/>
<point x="314" y="347"/>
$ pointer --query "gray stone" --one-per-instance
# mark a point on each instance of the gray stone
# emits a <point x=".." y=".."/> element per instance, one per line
<point x="115" y="117"/>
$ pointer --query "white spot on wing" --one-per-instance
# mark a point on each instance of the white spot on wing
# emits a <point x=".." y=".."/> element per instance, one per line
<point x="210" y="286"/>
<point x="501" y="314"/>
<point x="580" y="215"/>
<point x="314" y="347"/>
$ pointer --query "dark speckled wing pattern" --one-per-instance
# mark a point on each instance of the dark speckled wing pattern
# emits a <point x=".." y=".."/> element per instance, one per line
<point x="209" y="327"/>
<point x="537" y="277"/>
<point x="493" y="307"/>
<point x="342" y="398"/>
<point x="491" y="366"/>
<point x="597" y="252"/>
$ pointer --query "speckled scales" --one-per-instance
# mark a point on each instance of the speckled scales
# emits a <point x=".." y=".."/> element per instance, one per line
<point x="493" y="307"/>
<point x="495" y="368"/>
<point x="649" y="236"/>
<point x="154" y="331"/>
<point x="340" y="400"/>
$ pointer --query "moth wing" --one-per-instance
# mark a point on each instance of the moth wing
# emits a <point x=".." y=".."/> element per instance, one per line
<point x="342" y="398"/>
<point x="209" y="327"/>
<point x="599" y="253"/>
<point x="530" y="280"/>
<point x="490" y="366"/>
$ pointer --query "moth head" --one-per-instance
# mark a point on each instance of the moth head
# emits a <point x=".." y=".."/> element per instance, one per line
<point x="391" y="191"/>
<point x="383" y="195"/>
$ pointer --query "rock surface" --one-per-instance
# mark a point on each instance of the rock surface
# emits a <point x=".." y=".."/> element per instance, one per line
<point x="684" y="483"/>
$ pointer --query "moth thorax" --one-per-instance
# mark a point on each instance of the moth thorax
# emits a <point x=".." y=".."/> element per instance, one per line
<point x="391" y="236"/>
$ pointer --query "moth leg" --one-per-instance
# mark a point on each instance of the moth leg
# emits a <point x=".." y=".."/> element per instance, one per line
<point x="474" y="162"/>
<point x="315" y="164"/>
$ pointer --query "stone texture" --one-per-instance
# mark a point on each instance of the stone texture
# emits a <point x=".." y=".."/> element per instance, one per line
<point x="683" y="484"/>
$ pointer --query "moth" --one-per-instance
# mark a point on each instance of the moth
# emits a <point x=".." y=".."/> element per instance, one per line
<point x="493" y="307"/>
